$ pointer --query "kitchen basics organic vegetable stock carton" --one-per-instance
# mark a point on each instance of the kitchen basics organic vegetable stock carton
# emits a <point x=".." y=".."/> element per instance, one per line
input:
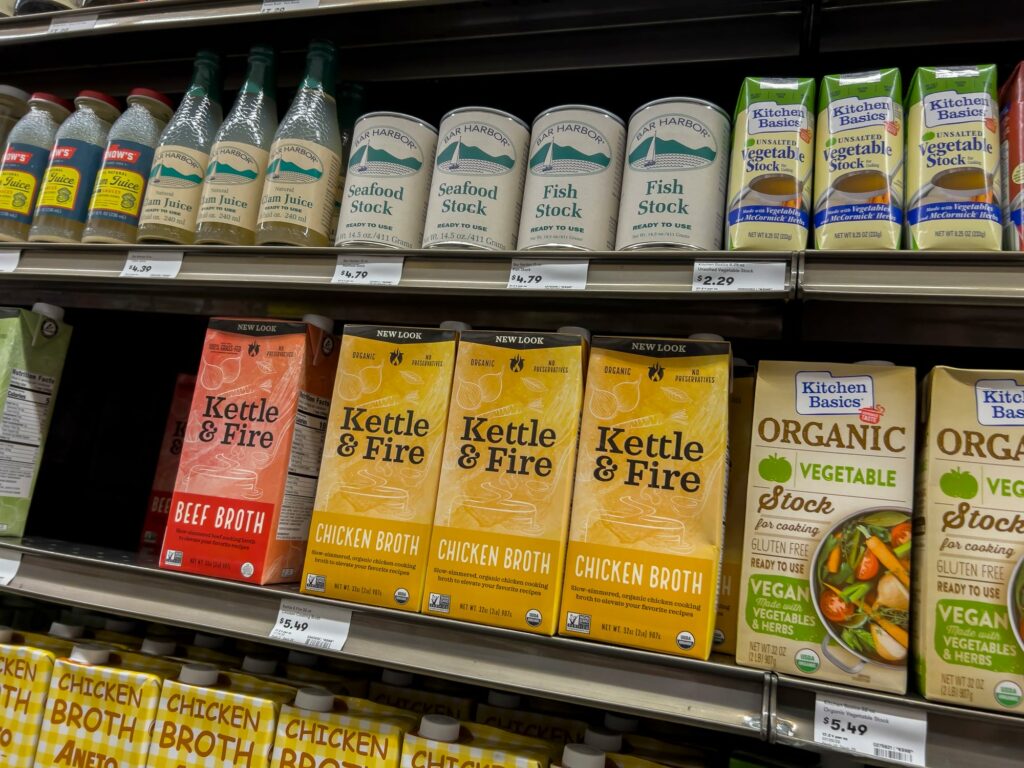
<point x="826" y="572"/>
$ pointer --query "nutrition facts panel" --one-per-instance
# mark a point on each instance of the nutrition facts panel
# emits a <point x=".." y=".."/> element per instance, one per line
<point x="21" y="430"/>
<point x="303" y="466"/>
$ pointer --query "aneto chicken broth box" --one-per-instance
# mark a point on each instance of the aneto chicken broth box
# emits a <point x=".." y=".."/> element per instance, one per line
<point x="24" y="680"/>
<point x="826" y="568"/>
<point x="251" y="455"/>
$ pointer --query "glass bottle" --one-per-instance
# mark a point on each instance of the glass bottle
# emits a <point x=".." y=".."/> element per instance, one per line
<point x="24" y="162"/>
<point x="238" y="161"/>
<point x="121" y="182"/>
<point x="22" y="7"/>
<point x="171" y="203"/>
<point x="13" y="106"/>
<point x="350" y="109"/>
<point x="305" y="160"/>
<point x="74" y="162"/>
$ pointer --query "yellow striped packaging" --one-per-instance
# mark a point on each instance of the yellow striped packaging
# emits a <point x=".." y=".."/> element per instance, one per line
<point x="24" y="680"/>
<point x="421" y="702"/>
<point x="478" y="745"/>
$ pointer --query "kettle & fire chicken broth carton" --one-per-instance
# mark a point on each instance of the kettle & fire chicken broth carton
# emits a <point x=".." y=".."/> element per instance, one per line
<point x="378" y="481"/>
<point x="251" y="455"/>
<point x="969" y="553"/>
<point x="500" y="524"/>
<point x="645" y="542"/>
<point x="826" y="570"/>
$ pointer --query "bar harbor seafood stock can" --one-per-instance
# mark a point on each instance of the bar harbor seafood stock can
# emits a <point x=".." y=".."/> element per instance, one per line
<point x="387" y="181"/>
<point x="674" y="179"/>
<point x="477" y="189"/>
<point x="572" y="181"/>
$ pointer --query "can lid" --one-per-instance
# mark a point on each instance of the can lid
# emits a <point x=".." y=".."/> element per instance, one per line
<point x="314" y="698"/>
<point x="583" y="107"/>
<point x="402" y="115"/>
<point x="124" y="626"/>
<point x="98" y="96"/>
<point x="488" y="110"/>
<point x="455" y="325"/>
<point x="52" y="99"/>
<point x="198" y="674"/>
<point x="66" y="631"/>
<point x="620" y="723"/>
<point x="152" y="646"/>
<point x="51" y="311"/>
<point x="211" y="642"/>
<point x="14" y="93"/>
<point x="575" y="330"/>
<point x="325" y="324"/>
<point x="706" y="337"/>
<point x="439" y="728"/>
<point x="6" y="634"/>
<point x="603" y="739"/>
<point x="875" y="362"/>
<point x="504" y="699"/>
<point x="258" y="665"/>
<point x="302" y="659"/>
<point x="683" y="100"/>
<point x="582" y="756"/>
<point x="395" y="677"/>
<point x="87" y="653"/>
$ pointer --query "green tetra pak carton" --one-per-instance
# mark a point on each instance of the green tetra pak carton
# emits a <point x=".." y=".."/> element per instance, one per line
<point x="858" y="168"/>
<point x="772" y="160"/>
<point x="33" y="345"/>
<point x="953" y="164"/>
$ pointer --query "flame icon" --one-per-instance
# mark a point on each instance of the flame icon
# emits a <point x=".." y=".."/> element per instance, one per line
<point x="655" y="372"/>
<point x="254" y="349"/>
<point x="516" y="363"/>
<point x="396" y="357"/>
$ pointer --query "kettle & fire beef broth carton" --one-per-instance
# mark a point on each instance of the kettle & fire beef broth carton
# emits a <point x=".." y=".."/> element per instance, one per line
<point x="1011" y="126"/>
<point x="498" y="545"/>
<point x="770" y="170"/>
<point x="645" y="542"/>
<point x="251" y="455"/>
<point x="826" y="570"/>
<point x="378" y="482"/>
<point x="24" y="678"/>
<point x="969" y="552"/>
<point x="858" y="171"/>
<point x="155" y="522"/>
<point x="96" y="712"/>
<point x="953" y="160"/>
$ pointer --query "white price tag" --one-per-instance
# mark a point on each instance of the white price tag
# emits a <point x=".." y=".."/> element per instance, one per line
<point x="166" y="264"/>
<point x="77" y="24"/>
<point x="728" y="276"/>
<point x="871" y="729"/>
<point x="276" y="6"/>
<point x="314" y="624"/>
<point x="9" y="260"/>
<point x="9" y="562"/>
<point x="539" y="275"/>
<point x="368" y="270"/>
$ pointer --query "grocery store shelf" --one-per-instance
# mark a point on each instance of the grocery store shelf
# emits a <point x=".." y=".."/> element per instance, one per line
<point x="713" y="694"/>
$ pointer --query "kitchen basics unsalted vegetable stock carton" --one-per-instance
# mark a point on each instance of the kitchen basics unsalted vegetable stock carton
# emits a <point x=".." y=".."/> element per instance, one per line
<point x="969" y="553"/>
<point x="826" y="570"/>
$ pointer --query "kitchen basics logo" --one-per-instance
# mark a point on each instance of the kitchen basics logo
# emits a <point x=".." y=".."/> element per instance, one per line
<point x="819" y="393"/>
<point x="1000" y="402"/>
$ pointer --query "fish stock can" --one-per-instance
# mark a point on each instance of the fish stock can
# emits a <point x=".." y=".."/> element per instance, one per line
<point x="476" y="193"/>
<point x="384" y="203"/>
<point x="574" y="172"/>
<point x="674" y="176"/>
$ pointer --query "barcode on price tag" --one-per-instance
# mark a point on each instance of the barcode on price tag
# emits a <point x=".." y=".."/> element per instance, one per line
<point x="316" y="625"/>
<point x="729" y="276"/>
<point x="276" y="6"/>
<point x="368" y="270"/>
<point x="871" y="729"/>
<point x="77" y="24"/>
<point x="9" y="260"/>
<point x="165" y="264"/>
<point x="540" y="275"/>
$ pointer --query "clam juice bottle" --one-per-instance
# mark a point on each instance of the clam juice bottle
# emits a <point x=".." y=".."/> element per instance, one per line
<point x="179" y="164"/>
<point x="238" y="160"/>
<point x="305" y="160"/>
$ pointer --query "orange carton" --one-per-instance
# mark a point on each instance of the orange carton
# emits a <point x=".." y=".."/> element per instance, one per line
<point x="167" y="466"/>
<point x="498" y="545"/>
<point x="378" y="480"/>
<point x="24" y="679"/>
<point x="252" y="449"/>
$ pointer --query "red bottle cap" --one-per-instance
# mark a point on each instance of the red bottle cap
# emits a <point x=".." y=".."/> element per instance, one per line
<point x="40" y="96"/>
<point x="99" y="96"/>
<point x="149" y="93"/>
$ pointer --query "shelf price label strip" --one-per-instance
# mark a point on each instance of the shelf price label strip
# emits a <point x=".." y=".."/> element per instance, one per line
<point x="277" y="6"/>
<point x="733" y="276"/>
<point x="9" y="260"/>
<point x="368" y="270"/>
<point x="323" y="627"/>
<point x="9" y="564"/>
<point x="871" y="729"/>
<point x="540" y="275"/>
<point x="77" y="24"/>
<point x="153" y="264"/>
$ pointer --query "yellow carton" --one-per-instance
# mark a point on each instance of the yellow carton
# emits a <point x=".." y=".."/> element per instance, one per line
<point x="395" y="690"/>
<point x="204" y="720"/>
<point x="303" y="669"/>
<point x="498" y="546"/>
<point x="504" y="711"/>
<point x="646" y="536"/>
<point x="325" y="731"/>
<point x="96" y="714"/>
<point x="24" y="680"/>
<point x="443" y="742"/>
<point x="378" y="479"/>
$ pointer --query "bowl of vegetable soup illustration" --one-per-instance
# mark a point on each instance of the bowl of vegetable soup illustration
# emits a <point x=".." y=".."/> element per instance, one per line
<point x="860" y="584"/>
<point x="1015" y="601"/>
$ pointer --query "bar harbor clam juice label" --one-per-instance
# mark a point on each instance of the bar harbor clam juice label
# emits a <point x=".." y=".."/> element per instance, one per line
<point x="953" y="160"/>
<point x="858" y="171"/>
<point x="498" y="545"/>
<point x="969" y="553"/>
<point x="251" y="455"/>
<point x="772" y="160"/>
<point x="826" y="569"/>
<point x="24" y="680"/>
<point x="378" y="480"/>
<point x="645" y="540"/>
<point x="476" y="192"/>
<point x="96" y="713"/>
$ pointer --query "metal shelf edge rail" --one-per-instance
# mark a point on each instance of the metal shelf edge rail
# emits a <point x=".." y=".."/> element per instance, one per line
<point x="710" y="694"/>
